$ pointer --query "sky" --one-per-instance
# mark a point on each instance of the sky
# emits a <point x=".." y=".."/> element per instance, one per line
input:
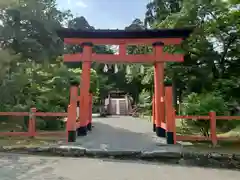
<point x="106" y="14"/>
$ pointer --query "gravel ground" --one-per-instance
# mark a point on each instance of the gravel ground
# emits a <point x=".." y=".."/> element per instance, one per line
<point x="24" y="167"/>
<point x="121" y="133"/>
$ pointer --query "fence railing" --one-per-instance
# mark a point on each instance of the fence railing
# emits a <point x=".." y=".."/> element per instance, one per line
<point x="213" y="128"/>
<point x="73" y="122"/>
<point x="171" y="118"/>
<point x="32" y="114"/>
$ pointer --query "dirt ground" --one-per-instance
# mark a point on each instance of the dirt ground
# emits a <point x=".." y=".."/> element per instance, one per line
<point x="25" y="167"/>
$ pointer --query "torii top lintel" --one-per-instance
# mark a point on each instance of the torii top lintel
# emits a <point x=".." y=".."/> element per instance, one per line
<point x="123" y="38"/>
<point x="167" y="36"/>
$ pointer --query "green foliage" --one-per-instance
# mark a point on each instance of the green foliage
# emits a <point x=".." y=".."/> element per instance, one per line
<point x="145" y="103"/>
<point x="202" y="104"/>
<point x="32" y="73"/>
<point x="41" y="124"/>
<point x="144" y="97"/>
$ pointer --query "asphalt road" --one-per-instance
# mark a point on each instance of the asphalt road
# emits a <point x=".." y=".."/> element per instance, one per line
<point x="23" y="167"/>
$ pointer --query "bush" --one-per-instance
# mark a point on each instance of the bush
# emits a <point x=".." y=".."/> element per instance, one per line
<point x="49" y="123"/>
<point x="22" y="108"/>
<point x="202" y="104"/>
<point x="144" y="103"/>
<point x="40" y="124"/>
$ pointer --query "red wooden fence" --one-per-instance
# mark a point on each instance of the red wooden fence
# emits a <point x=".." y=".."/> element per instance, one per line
<point x="71" y="125"/>
<point x="32" y="122"/>
<point x="171" y="118"/>
<point x="213" y="134"/>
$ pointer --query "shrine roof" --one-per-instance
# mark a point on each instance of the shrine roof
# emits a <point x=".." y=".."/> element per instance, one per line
<point x="125" y="34"/>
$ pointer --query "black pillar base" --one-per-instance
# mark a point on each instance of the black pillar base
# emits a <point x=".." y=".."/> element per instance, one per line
<point x="170" y="138"/>
<point x="82" y="131"/>
<point x="72" y="136"/>
<point x="160" y="132"/>
<point x="154" y="127"/>
<point x="89" y="127"/>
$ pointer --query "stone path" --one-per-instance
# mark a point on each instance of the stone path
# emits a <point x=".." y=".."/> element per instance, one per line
<point x="25" y="167"/>
<point x="121" y="133"/>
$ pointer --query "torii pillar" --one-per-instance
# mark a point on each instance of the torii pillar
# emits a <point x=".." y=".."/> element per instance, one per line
<point x="84" y="89"/>
<point x="159" y="90"/>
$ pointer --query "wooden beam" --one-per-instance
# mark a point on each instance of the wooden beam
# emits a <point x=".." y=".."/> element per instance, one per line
<point x="121" y="58"/>
<point x="72" y="57"/>
<point x="192" y="138"/>
<point x="166" y="41"/>
<point x="122" y="49"/>
<point x="14" y="113"/>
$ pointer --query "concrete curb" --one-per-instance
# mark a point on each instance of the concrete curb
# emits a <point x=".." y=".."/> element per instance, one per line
<point x="211" y="160"/>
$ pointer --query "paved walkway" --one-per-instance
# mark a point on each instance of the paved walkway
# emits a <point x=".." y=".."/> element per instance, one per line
<point x="121" y="133"/>
<point x="20" y="167"/>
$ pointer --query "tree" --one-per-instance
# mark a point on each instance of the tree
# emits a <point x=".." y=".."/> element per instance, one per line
<point x="202" y="104"/>
<point x="211" y="52"/>
<point x="29" y="28"/>
<point x="159" y="10"/>
<point x="214" y="26"/>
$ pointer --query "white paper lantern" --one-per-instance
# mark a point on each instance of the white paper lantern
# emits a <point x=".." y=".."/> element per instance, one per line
<point x="105" y="69"/>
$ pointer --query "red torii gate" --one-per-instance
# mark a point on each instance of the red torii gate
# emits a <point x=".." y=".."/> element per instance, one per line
<point x="157" y="38"/>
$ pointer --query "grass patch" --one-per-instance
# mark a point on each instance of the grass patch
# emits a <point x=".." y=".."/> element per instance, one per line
<point x="223" y="146"/>
<point x="228" y="147"/>
<point x="232" y="133"/>
<point x="27" y="141"/>
<point x="15" y="124"/>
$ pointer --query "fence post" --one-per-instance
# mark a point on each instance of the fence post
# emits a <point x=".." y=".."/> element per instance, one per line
<point x="169" y="115"/>
<point x="89" y="125"/>
<point x="174" y="125"/>
<point x="32" y="122"/>
<point x="78" y="108"/>
<point x="213" y="125"/>
<point x="91" y="106"/>
<point x="153" y="113"/>
<point x="71" y="123"/>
